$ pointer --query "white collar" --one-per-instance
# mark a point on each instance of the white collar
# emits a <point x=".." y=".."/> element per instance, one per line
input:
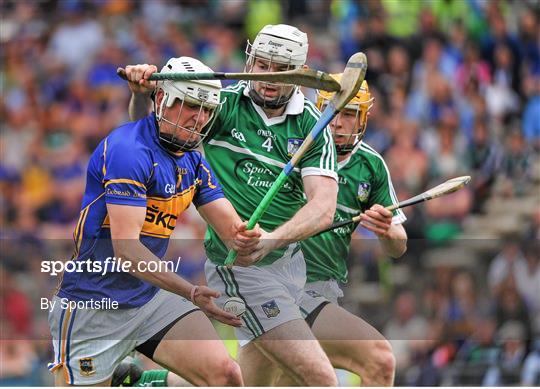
<point x="295" y="106"/>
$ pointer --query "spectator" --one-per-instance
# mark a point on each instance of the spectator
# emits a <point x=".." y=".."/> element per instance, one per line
<point x="398" y="76"/>
<point x="406" y="330"/>
<point x="433" y="60"/>
<point x="402" y="18"/>
<point x="513" y="351"/>
<point x="485" y="157"/>
<point x="516" y="166"/>
<point x="463" y="307"/>
<point x="77" y="39"/>
<point x="477" y="354"/>
<point x="16" y="311"/>
<point x="406" y="160"/>
<point x="509" y="261"/>
<point x="528" y="31"/>
<point x="501" y="96"/>
<point x="473" y="67"/>
<point x="528" y="283"/>
<point x="530" y="375"/>
<point x="510" y="306"/>
<point x="531" y="113"/>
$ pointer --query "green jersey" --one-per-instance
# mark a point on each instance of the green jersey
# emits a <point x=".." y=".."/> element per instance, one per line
<point x="364" y="181"/>
<point x="247" y="151"/>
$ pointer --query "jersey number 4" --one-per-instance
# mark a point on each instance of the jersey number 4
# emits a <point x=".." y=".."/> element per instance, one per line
<point x="267" y="144"/>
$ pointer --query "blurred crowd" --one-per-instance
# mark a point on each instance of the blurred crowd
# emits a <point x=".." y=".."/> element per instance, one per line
<point x="457" y="91"/>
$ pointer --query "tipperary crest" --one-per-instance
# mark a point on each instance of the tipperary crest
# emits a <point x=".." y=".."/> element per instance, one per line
<point x="363" y="191"/>
<point x="87" y="366"/>
<point x="313" y="293"/>
<point x="293" y="144"/>
<point x="271" y="308"/>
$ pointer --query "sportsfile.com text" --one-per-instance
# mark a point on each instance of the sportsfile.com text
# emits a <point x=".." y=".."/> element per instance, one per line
<point x="109" y="265"/>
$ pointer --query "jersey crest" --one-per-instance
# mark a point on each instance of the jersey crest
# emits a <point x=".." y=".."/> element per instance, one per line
<point x="270" y="308"/>
<point x="364" y="188"/>
<point x="293" y="144"/>
<point x="313" y="293"/>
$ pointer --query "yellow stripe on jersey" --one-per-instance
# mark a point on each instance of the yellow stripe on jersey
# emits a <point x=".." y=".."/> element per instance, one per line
<point x="104" y="170"/>
<point x="125" y="181"/>
<point x="78" y="233"/>
<point x="162" y="213"/>
<point x="210" y="185"/>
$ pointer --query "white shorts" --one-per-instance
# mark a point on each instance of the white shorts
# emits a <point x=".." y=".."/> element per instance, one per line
<point x="271" y="293"/>
<point x="90" y="343"/>
<point x="317" y="293"/>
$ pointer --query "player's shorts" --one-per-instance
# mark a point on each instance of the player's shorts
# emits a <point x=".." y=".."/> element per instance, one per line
<point x="90" y="343"/>
<point x="271" y="293"/>
<point x="317" y="293"/>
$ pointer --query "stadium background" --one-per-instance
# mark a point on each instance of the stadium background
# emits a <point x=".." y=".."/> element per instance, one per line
<point x="457" y="91"/>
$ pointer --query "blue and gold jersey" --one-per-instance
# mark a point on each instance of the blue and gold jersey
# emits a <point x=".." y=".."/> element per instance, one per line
<point x="130" y="167"/>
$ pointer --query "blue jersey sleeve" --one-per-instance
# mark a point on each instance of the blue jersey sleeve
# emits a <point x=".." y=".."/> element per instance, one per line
<point x="208" y="189"/>
<point x="126" y="171"/>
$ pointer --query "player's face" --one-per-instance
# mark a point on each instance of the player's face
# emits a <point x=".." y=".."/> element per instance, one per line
<point x="184" y="121"/>
<point x="345" y="126"/>
<point x="270" y="91"/>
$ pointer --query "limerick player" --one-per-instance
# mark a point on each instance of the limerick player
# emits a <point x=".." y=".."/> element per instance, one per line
<point x="364" y="187"/>
<point x="140" y="178"/>
<point x="259" y="128"/>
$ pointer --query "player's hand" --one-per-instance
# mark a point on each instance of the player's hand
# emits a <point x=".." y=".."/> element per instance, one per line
<point x="245" y="241"/>
<point x="204" y="299"/>
<point x="254" y="252"/>
<point x="137" y="76"/>
<point x="377" y="219"/>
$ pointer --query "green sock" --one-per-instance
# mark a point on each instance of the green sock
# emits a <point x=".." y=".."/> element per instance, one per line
<point x="152" y="378"/>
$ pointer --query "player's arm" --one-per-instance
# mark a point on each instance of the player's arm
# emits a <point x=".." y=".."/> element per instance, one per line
<point x="314" y="216"/>
<point x="222" y="216"/>
<point x="217" y="211"/>
<point x="141" y="89"/>
<point x="393" y="237"/>
<point x="126" y="223"/>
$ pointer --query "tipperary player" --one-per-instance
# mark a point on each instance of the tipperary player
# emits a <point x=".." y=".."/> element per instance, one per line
<point x="140" y="179"/>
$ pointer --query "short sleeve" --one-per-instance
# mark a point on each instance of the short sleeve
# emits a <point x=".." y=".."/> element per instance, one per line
<point x="383" y="193"/>
<point x="126" y="172"/>
<point x="208" y="188"/>
<point x="321" y="158"/>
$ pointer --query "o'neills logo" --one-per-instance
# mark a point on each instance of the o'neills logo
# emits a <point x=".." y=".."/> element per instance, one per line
<point x="257" y="175"/>
<point x="276" y="44"/>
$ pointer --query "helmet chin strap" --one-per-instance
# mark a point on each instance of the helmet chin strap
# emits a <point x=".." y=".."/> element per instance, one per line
<point x="168" y="142"/>
<point x="272" y="104"/>
<point x="347" y="147"/>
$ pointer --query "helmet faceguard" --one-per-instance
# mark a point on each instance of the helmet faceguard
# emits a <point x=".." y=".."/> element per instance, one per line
<point x="281" y="46"/>
<point x="359" y="106"/>
<point x="199" y="100"/>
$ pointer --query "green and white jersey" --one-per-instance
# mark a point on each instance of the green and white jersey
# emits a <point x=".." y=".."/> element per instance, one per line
<point x="247" y="151"/>
<point x="364" y="180"/>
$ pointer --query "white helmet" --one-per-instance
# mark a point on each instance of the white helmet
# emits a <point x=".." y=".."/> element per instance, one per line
<point x="280" y="43"/>
<point x="203" y="93"/>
